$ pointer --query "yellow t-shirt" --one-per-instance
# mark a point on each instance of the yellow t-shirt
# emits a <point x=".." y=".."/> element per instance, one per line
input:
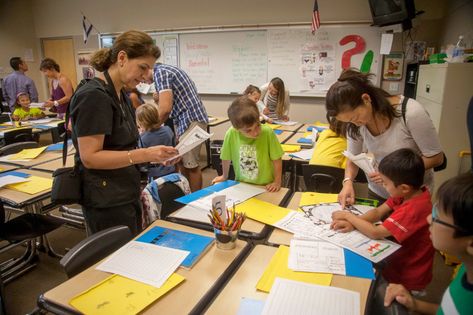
<point x="20" y="112"/>
<point x="328" y="150"/>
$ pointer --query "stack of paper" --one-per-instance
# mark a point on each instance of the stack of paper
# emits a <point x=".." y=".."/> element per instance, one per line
<point x="152" y="264"/>
<point x="27" y="154"/>
<point x="293" y="297"/>
<point x="285" y="123"/>
<point x="191" y="140"/>
<point x="34" y="185"/>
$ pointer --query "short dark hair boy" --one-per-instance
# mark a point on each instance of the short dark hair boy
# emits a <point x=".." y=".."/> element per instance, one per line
<point x="403" y="166"/>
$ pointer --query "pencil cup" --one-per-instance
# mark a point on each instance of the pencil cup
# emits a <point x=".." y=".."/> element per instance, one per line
<point x="226" y="239"/>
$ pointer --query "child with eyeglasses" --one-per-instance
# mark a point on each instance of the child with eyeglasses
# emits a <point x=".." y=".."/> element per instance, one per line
<point x="404" y="213"/>
<point x="451" y="228"/>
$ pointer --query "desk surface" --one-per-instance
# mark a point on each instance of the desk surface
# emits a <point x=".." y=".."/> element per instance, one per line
<point x="20" y="199"/>
<point x="250" y="228"/>
<point x="292" y="128"/>
<point x="283" y="136"/>
<point x="217" y="121"/>
<point x="293" y="140"/>
<point x="243" y="283"/>
<point x="209" y="272"/>
<point x="53" y="165"/>
<point x="7" y="167"/>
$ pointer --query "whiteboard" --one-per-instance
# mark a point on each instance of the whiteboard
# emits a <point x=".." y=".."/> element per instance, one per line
<point x="309" y="64"/>
<point x="169" y="45"/>
<point x="224" y="62"/>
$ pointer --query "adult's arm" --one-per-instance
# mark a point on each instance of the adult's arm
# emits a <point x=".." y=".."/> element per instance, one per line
<point x="93" y="155"/>
<point x="165" y="104"/>
<point x="66" y="86"/>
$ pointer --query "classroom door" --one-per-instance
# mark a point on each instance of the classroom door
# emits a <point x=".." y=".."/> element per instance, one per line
<point x="62" y="51"/>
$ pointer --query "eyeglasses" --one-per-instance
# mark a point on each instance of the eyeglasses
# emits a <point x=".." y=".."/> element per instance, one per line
<point x="435" y="218"/>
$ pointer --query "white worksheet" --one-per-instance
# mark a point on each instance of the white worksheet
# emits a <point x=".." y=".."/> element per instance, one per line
<point x="289" y="297"/>
<point x="316" y="256"/>
<point x="363" y="161"/>
<point x="195" y="137"/>
<point x="145" y="262"/>
<point x="11" y="179"/>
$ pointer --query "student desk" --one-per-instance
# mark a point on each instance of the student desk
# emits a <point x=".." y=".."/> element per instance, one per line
<point x="202" y="282"/>
<point x="53" y="165"/>
<point x="7" y="167"/>
<point x="19" y="199"/>
<point x="295" y="137"/>
<point x="250" y="229"/>
<point x="292" y="128"/>
<point x="243" y="283"/>
<point x="283" y="136"/>
<point x="43" y="157"/>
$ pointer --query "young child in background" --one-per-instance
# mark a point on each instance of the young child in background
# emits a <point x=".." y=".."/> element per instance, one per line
<point x="275" y="98"/>
<point x="407" y="207"/>
<point x="330" y="146"/>
<point x="22" y="109"/>
<point x="152" y="133"/>
<point x="254" y="94"/>
<point x="253" y="149"/>
<point x="451" y="228"/>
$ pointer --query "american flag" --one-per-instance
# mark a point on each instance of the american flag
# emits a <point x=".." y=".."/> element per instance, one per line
<point x="315" y="18"/>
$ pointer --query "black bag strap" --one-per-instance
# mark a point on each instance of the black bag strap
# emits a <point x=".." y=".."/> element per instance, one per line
<point x="403" y="109"/>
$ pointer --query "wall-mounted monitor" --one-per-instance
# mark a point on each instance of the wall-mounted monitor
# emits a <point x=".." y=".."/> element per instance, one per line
<point x="388" y="12"/>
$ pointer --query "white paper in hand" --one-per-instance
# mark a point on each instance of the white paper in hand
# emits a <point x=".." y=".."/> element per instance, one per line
<point x="362" y="160"/>
<point x="195" y="137"/>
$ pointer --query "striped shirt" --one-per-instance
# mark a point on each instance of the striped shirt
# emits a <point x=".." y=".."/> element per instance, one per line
<point x="187" y="105"/>
<point x="458" y="298"/>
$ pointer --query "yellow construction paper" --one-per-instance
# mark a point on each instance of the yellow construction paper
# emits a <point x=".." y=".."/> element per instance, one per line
<point x="273" y="126"/>
<point x="321" y="124"/>
<point x="35" y="185"/>
<point x="291" y="147"/>
<point x="120" y="295"/>
<point x="307" y="134"/>
<point x="262" y="211"/>
<point x="27" y="154"/>
<point x="277" y="268"/>
<point x="311" y="198"/>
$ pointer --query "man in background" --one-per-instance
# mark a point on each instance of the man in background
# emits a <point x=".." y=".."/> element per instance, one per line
<point x="17" y="82"/>
<point x="179" y="100"/>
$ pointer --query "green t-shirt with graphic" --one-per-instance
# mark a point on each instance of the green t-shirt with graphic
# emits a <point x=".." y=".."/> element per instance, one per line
<point x="252" y="159"/>
<point x="33" y="112"/>
<point x="458" y="298"/>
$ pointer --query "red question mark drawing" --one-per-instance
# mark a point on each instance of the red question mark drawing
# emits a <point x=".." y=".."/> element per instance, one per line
<point x="360" y="46"/>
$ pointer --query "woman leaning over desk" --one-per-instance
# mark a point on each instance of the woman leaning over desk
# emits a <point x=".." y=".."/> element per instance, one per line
<point x="374" y="121"/>
<point x="105" y="134"/>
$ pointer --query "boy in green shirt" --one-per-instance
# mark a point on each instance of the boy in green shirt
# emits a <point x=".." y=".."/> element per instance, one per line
<point x="451" y="228"/>
<point x="253" y="149"/>
<point x="23" y="111"/>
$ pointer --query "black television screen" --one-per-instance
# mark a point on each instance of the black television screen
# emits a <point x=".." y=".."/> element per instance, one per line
<point x="388" y="12"/>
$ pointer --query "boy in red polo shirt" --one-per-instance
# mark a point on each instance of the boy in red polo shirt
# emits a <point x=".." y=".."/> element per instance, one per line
<point x="409" y="204"/>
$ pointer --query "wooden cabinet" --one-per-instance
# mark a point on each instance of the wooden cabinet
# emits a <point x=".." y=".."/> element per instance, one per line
<point x="445" y="90"/>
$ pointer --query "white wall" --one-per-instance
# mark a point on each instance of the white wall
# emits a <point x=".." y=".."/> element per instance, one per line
<point x="24" y="22"/>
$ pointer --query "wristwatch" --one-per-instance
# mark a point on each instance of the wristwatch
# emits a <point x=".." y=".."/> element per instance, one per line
<point x="56" y="103"/>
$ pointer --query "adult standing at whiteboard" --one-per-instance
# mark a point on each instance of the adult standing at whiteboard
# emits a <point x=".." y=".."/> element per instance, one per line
<point x="374" y="121"/>
<point x="179" y="100"/>
<point x="275" y="98"/>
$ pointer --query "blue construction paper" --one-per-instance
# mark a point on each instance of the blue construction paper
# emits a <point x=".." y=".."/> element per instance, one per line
<point x="304" y="140"/>
<point x="193" y="243"/>
<point x="358" y="266"/>
<point x="57" y="146"/>
<point x="206" y="191"/>
<point x="250" y="306"/>
<point x="319" y="129"/>
<point x="223" y="185"/>
<point x="43" y="127"/>
<point x="15" y="173"/>
<point x="277" y="131"/>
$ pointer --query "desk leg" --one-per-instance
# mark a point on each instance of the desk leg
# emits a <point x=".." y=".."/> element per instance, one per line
<point x="207" y="149"/>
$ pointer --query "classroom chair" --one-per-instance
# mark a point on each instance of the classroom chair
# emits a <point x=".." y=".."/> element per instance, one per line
<point x="375" y="301"/>
<point x="18" y="135"/>
<point x="17" y="147"/>
<point x="168" y="192"/>
<point x="58" y="133"/>
<point x="94" y="248"/>
<point x="23" y="229"/>
<point x="323" y="179"/>
<point x="4" y="118"/>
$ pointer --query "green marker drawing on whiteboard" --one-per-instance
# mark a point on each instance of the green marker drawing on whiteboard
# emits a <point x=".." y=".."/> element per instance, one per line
<point x="367" y="61"/>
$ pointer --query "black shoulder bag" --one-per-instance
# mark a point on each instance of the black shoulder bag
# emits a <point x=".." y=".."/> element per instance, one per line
<point x="403" y="111"/>
<point x="67" y="184"/>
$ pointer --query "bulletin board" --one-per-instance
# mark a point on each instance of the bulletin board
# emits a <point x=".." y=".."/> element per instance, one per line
<point x="226" y="61"/>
